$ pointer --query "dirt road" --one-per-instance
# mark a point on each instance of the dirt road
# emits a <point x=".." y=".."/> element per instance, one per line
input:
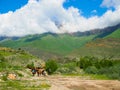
<point x="76" y="83"/>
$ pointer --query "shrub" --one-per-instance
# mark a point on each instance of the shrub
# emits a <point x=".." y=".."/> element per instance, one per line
<point x="87" y="61"/>
<point x="51" y="66"/>
<point x="91" y="70"/>
<point x="30" y="65"/>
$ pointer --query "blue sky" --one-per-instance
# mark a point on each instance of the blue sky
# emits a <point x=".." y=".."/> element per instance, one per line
<point x="11" y="5"/>
<point x="23" y="17"/>
<point x="87" y="7"/>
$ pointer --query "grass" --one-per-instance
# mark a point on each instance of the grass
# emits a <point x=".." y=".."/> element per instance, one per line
<point x="48" y="45"/>
<point x="61" y="44"/>
<point x="98" y="77"/>
<point x="100" y="48"/>
<point x="11" y="60"/>
<point x="23" y="85"/>
<point x="115" y="34"/>
<point x="88" y="76"/>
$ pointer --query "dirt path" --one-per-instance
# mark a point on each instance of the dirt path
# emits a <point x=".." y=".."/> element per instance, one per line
<point x="76" y="83"/>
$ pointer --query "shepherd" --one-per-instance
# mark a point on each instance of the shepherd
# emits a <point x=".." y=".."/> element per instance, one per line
<point x="33" y="70"/>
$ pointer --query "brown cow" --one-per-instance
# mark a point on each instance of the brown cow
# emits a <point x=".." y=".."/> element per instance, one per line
<point x="38" y="70"/>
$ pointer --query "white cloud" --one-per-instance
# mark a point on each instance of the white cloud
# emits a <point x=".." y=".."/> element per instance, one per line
<point x="110" y="3"/>
<point x="94" y="11"/>
<point x="50" y="15"/>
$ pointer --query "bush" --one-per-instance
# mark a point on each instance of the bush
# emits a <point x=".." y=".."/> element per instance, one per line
<point x="86" y="62"/>
<point x="30" y="65"/>
<point x="111" y="72"/>
<point x="91" y="70"/>
<point x="51" y="66"/>
<point x="63" y="70"/>
<point x="108" y="67"/>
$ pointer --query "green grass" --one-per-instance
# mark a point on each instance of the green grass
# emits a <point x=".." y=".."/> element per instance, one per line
<point x="61" y="44"/>
<point x="101" y="48"/>
<point x="88" y="76"/>
<point x="49" y="45"/>
<point x="23" y="85"/>
<point x="11" y="60"/>
<point x="115" y="34"/>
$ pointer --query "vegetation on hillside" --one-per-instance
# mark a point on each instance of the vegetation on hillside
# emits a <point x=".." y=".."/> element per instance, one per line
<point x="12" y="60"/>
<point x="108" y="47"/>
<point x="101" y="68"/>
<point x="115" y="34"/>
<point x="105" y="52"/>
<point x="51" y="66"/>
<point x="93" y="65"/>
<point x="48" y="44"/>
<point x="15" y="59"/>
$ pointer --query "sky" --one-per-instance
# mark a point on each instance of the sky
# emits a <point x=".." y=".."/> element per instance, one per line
<point x="24" y="17"/>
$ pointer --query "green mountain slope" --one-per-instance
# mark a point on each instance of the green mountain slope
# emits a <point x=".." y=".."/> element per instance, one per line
<point x="109" y="46"/>
<point x="115" y="34"/>
<point x="48" y="44"/>
<point x="11" y="60"/>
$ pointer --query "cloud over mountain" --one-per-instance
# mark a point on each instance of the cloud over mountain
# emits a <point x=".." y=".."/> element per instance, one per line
<point x="40" y="16"/>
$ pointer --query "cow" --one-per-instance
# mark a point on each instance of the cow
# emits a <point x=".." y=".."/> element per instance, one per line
<point x="38" y="70"/>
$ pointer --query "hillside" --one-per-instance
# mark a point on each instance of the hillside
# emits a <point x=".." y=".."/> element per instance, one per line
<point x="108" y="46"/>
<point x="48" y="44"/>
<point x="11" y="60"/>
<point x="52" y="45"/>
<point x="115" y="34"/>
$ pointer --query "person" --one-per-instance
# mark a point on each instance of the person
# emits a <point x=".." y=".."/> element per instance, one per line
<point x="33" y="70"/>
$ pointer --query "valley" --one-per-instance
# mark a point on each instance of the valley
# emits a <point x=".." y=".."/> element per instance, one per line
<point x="73" y="62"/>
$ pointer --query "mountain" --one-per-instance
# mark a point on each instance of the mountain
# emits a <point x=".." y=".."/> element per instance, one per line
<point x="115" y="34"/>
<point x="109" y="46"/>
<point x="49" y="45"/>
<point x="99" y="32"/>
<point x="6" y="37"/>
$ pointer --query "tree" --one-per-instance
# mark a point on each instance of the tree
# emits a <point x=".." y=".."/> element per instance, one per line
<point x="51" y="66"/>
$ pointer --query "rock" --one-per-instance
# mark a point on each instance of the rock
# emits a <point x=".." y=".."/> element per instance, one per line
<point x="12" y="76"/>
